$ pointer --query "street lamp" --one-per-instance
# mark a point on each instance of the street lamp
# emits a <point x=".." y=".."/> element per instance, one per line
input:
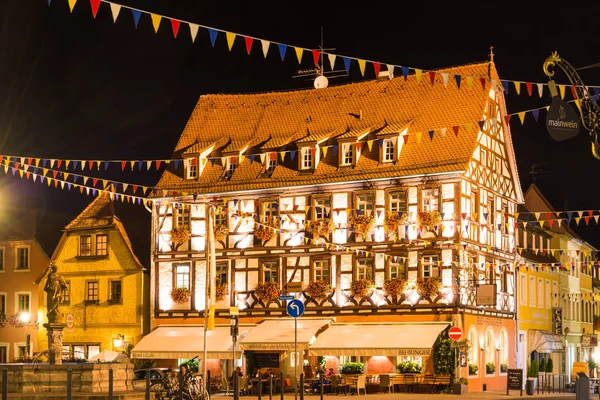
<point x="118" y="341"/>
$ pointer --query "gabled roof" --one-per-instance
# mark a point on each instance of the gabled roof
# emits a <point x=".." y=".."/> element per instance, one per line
<point x="375" y="104"/>
<point x="99" y="213"/>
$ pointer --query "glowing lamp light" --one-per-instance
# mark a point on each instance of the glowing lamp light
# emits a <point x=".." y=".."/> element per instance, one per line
<point x="24" y="317"/>
<point x="118" y="341"/>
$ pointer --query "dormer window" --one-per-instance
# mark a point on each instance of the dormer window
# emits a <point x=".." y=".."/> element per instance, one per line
<point x="230" y="167"/>
<point x="389" y="150"/>
<point x="192" y="168"/>
<point x="308" y="161"/>
<point x="271" y="164"/>
<point x="348" y="155"/>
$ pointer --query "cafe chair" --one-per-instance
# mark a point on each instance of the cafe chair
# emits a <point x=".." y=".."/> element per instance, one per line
<point x="386" y="383"/>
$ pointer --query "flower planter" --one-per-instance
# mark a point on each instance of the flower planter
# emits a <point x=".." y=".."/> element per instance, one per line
<point x="530" y="386"/>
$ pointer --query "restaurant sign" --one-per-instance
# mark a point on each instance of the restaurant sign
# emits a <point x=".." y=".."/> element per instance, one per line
<point x="486" y="295"/>
<point x="413" y="352"/>
<point x="557" y="320"/>
<point x="269" y="346"/>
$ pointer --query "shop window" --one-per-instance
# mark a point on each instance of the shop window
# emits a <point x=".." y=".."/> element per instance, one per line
<point x="490" y="349"/>
<point x="503" y="348"/>
<point x="474" y="349"/>
<point x="266" y="360"/>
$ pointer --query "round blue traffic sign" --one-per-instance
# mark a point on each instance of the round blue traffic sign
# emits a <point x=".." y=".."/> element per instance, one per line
<point x="295" y="308"/>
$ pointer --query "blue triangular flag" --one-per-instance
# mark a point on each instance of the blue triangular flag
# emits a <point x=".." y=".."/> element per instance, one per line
<point x="136" y="16"/>
<point x="195" y="196"/>
<point x="106" y="163"/>
<point x="42" y="178"/>
<point x="75" y="164"/>
<point x="13" y="170"/>
<point x="569" y="214"/>
<point x="45" y="163"/>
<point x="251" y="158"/>
<point x="176" y="162"/>
<point x="213" y="36"/>
<point x="380" y="142"/>
<point x="431" y="132"/>
<point x="481" y="124"/>
<point x="505" y="84"/>
<point x="139" y="164"/>
<point x="69" y="185"/>
<point x="49" y="1"/>
<point x="405" y="72"/>
<point x="535" y="114"/>
<point x="457" y="79"/>
<point x="75" y="177"/>
<point x="212" y="162"/>
<point x="282" y="50"/>
<point x="292" y="154"/>
<point x="335" y="149"/>
<point x="347" y="62"/>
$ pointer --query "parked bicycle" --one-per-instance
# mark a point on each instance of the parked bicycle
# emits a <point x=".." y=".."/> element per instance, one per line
<point x="168" y="387"/>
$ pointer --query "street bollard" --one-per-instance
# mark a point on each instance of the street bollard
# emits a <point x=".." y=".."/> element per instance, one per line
<point x="147" y="397"/>
<point x="110" y="384"/>
<point x="321" y="389"/>
<point x="236" y="384"/>
<point x="302" y="386"/>
<point x="271" y="386"/>
<point x="281" y="385"/>
<point x="259" y="385"/>
<point x="69" y="384"/>
<point x="207" y="383"/>
<point x="180" y="388"/>
<point x="4" y="383"/>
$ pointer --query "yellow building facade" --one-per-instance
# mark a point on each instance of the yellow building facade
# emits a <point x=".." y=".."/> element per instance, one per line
<point x="102" y="305"/>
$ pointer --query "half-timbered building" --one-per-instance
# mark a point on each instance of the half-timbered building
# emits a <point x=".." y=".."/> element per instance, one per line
<point x="387" y="202"/>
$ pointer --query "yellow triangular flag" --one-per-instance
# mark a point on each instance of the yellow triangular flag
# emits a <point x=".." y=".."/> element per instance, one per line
<point x="468" y="127"/>
<point x="370" y="144"/>
<point x="299" y="52"/>
<point x="72" y="4"/>
<point x="521" y="116"/>
<point x="155" y="21"/>
<point x="578" y="104"/>
<point x="361" y="65"/>
<point x="230" y="39"/>
<point x="419" y="134"/>
<point x="21" y="173"/>
<point x="98" y="164"/>
<point x="325" y="151"/>
<point x="49" y="180"/>
<point x="132" y="163"/>
<point x="470" y="82"/>
<point x="517" y="87"/>
<point x="282" y="155"/>
<point x="65" y="175"/>
<point x="562" y="91"/>
<point x="67" y="162"/>
<point x="418" y="73"/>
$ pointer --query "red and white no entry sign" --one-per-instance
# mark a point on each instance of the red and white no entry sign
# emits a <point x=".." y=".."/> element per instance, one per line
<point x="455" y="333"/>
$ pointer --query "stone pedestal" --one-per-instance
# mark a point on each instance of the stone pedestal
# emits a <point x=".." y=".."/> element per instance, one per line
<point x="55" y="334"/>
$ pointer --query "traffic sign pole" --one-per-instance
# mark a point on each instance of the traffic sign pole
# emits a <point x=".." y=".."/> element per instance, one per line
<point x="295" y="309"/>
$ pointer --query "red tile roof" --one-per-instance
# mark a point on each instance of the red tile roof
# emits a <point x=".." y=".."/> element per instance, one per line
<point x="390" y="105"/>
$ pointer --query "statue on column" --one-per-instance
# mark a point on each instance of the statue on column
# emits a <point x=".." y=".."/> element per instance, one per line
<point x="55" y="288"/>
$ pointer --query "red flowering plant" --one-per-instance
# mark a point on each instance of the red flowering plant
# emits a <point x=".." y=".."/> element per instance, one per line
<point x="318" y="289"/>
<point x="220" y="291"/>
<point x="429" y="219"/>
<point x="179" y="234"/>
<point x="361" y="288"/>
<point x="362" y="224"/>
<point x="394" y="287"/>
<point x="392" y="222"/>
<point x="320" y="227"/>
<point x="429" y="287"/>
<point x="221" y="232"/>
<point x="16" y="321"/>
<point x="180" y="294"/>
<point x="267" y="291"/>
<point x="264" y="231"/>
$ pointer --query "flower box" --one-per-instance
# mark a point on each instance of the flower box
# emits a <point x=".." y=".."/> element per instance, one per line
<point x="393" y="221"/>
<point x="220" y="291"/>
<point x="318" y="289"/>
<point x="361" y="288"/>
<point x="429" y="219"/>
<point x="221" y="232"/>
<point x="266" y="230"/>
<point x="267" y="291"/>
<point x="429" y="287"/>
<point x="180" y="295"/>
<point x="320" y="227"/>
<point x="394" y="287"/>
<point x="362" y="224"/>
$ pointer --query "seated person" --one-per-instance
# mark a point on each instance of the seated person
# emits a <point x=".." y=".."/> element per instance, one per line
<point x="330" y="372"/>
<point x="316" y="385"/>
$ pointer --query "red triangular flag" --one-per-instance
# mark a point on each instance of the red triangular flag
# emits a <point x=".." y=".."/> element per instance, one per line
<point x="432" y="77"/>
<point x="29" y="160"/>
<point x="358" y="146"/>
<point x="376" y="67"/>
<point x="123" y="163"/>
<point x="80" y="189"/>
<point x="95" y="5"/>
<point x="507" y="118"/>
<point x="405" y="138"/>
<point x="54" y="173"/>
<point x="455" y="129"/>
<point x="94" y="181"/>
<point x="157" y="163"/>
<point x="175" y="26"/>
<point x="135" y="187"/>
<point x="27" y="175"/>
<point x="90" y="164"/>
<point x="573" y="92"/>
<point x="58" y="163"/>
<point x="529" y="87"/>
<point x="316" y="55"/>
<point x="248" y="41"/>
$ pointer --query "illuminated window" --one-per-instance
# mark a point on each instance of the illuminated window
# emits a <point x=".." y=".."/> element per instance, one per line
<point x="221" y="277"/>
<point x="429" y="266"/>
<point x="474" y="349"/>
<point x="321" y="207"/>
<point x="192" y="165"/>
<point x="271" y="163"/>
<point x="85" y="246"/>
<point x="322" y="270"/>
<point x="347" y="154"/>
<point x="503" y="347"/>
<point x="270" y="271"/>
<point x="389" y="150"/>
<point x="93" y="292"/>
<point x="523" y="289"/>
<point x="364" y="204"/>
<point x="397" y="270"/>
<point x="364" y="268"/>
<point x="308" y="161"/>
<point x="23" y="303"/>
<point x="490" y="347"/>
<point x="23" y="257"/>
<point x="230" y="167"/>
<point x="430" y="199"/>
<point x="182" y="216"/>
<point x="101" y="245"/>
<point x="397" y="201"/>
<point x="116" y="288"/>
<point x="67" y="293"/>
<point x="269" y="210"/>
<point x="182" y="276"/>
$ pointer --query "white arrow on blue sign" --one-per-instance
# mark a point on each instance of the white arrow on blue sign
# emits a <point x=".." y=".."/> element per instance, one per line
<point x="295" y="308"/>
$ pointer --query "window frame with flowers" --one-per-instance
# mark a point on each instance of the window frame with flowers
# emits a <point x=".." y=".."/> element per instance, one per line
<point x="369" y="269"/>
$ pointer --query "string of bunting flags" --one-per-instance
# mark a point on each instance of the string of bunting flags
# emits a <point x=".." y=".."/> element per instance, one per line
<point x="109" y="189"/>
<point x="316" y="54"/>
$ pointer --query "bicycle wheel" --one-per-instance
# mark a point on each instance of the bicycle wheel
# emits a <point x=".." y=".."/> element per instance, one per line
<point x="158" y="392"/>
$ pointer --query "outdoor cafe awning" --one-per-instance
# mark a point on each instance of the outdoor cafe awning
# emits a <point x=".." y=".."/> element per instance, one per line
<point x="278" y="334"/>
<point x="544" y="341"/>
<point x="175" y="341"/>
<point x="374" y="339"/>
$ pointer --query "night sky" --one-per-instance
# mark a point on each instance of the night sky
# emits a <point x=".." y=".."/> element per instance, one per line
<point x="75" y="87"/>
